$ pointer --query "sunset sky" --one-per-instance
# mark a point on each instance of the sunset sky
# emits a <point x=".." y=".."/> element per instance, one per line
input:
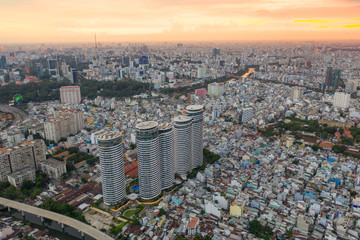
<point x="178" y="20"/>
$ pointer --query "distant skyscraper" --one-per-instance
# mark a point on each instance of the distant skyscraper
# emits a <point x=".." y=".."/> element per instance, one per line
<point x="75" y="76"/>
<point x="3" y="62"/>
<point x="144" y="60"/>
<point x="126" y="61"/>
<point x="166" y="143"/>
<point x="333" y="79"/>
<point x="183" y="144"/>
<point x="215" y="52"/>
<point x="147" y="139"/>
<point x="64" y="69"/>
<point x="39" y="69"/>
<point x="296" y="93"/>
<point x="53" y="68"/>
<point x="196" y="113"/>
<point x="112" y="167"/>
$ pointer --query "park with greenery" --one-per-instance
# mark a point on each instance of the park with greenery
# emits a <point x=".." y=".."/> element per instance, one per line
<point x="116" y="230"/>
<point x="28" y="188"/>
<point x="62" y="208"/>
<point x="313" y="127"/>
<point x="130" y="212"/>
<point x="300" y="127"/>
<point x="49" y="90"/>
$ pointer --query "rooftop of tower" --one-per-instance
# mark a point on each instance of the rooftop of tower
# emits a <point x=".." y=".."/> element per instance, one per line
<point x="109" y="136"/>
<point x="146" y="125"/>
<point x="164" y="126"/>
<point x="195" y="107"/>
<point x="182" y="119"/>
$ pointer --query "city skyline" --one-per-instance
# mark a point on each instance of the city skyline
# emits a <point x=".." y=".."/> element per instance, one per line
<point x="30" y="21"/>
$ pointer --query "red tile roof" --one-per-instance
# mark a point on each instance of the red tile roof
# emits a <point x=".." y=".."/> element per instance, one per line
<point x="193" y="222"/>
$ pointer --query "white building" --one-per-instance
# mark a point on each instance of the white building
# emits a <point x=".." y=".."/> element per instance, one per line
<point x="221" y="201"/>
<point x="341" y="100"/>
<point x="297" y="93"/>
<point x="70" y="94"/>
<point x="196" y="113"/>
<point x="216" y="89"/>
<point x="210" y="208"/>
<point x="167" y="161"/>
<point x="112" y="167"/>
<point x="17" y="178"/>
<point x="246" y="115"/>
<point x="201" y="72"/>
<point x="183" y="144"/>
<point x="63" y="124"/>
<point x="147" y="139"/>
<point x="53" y="168"/>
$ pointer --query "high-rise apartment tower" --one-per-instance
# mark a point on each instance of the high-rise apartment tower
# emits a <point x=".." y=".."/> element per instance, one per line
<point x="112" y="167"/>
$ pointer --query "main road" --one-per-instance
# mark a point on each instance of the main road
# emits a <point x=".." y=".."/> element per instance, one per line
<point x="81" y="227"/>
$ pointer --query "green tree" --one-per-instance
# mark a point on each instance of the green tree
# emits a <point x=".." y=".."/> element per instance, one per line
<point x="70" y="167"/>
<point x="197" y="237"/>
<point x="324" y="134"/>
<point x="41" y="180"/>
<point x="352" y="193"/>
<point x="255" y="227"/>
<point x="162" y="212"/>
<point x="27" y="184"/>
<point x="65" y="209"/>
<point x="135" y="222"/>
<point x="347" y="141"/>
<point x="316" y="147"/>
<point x="296" y="162"/>
<point x="84" y="180"/>
<point x="92" y="161"/>
<point x="339" y="148"/>
<point x="289" y="234"/>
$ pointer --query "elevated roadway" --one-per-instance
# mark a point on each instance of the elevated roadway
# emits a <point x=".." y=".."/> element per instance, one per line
<point x="63" y="220"/>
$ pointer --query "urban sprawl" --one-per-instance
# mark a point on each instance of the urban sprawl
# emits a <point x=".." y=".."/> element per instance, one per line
<point x="180" y="141"/>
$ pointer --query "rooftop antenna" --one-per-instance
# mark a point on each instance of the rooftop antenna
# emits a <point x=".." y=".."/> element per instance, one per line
<point x="95" y="42"/>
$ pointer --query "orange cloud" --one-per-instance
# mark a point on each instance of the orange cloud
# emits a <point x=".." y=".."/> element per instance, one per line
<point x="186" y="20"/>
<point x="352" y="26"/>
<point x="313" y="21"/>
